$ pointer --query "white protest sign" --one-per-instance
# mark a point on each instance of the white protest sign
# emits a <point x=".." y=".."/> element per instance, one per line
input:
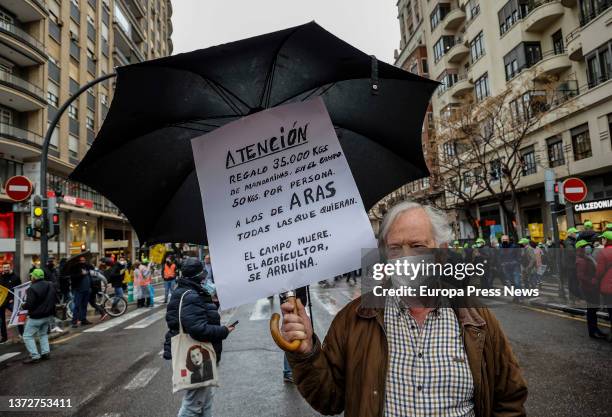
<point x="281" y="206"/>
<point x="18" y="316"/>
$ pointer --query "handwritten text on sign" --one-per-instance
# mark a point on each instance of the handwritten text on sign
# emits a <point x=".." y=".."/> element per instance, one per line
<point x="281" y="206"/>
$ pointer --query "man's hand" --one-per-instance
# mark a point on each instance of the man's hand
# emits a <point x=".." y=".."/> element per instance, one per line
<point x="297" y="326"/>
<point x="230" y="328"/>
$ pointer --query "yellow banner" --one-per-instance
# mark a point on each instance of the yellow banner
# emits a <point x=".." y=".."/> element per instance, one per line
<point x="3" y="294"/>
<point x="156" y="254"/>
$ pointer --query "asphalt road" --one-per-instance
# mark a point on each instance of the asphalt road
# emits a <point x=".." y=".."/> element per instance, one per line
<point x="114" y="369"/>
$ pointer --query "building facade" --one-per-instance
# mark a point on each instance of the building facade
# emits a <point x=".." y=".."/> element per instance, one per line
<point x="478" y="49"/>
<point x="48" y="49"/>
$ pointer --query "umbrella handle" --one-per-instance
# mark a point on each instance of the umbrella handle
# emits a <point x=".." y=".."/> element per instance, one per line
<point x="275" y="330"/>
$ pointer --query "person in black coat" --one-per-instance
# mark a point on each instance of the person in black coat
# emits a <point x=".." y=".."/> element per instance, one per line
<point x="200" y="319"/>
<point x="40" y="303"/>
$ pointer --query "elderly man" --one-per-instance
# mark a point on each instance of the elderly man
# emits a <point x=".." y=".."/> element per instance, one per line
<point x="415" y="361"/>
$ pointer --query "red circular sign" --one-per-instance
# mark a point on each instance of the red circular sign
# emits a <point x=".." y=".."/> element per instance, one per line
<point x="18" y="188"/>
<point x="574" y="190"/>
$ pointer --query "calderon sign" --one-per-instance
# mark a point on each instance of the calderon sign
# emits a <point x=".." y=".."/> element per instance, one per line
<point x="594" y="205"/>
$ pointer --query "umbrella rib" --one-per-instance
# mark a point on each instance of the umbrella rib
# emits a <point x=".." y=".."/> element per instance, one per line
<point x="217" y="88"/>
<point x="265" y="95"/>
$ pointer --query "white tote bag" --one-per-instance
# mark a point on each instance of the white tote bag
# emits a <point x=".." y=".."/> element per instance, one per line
<point x="194" y="364"/>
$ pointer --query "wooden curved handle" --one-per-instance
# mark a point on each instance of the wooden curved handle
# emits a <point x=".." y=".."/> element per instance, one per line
<point x="276" y="333"/>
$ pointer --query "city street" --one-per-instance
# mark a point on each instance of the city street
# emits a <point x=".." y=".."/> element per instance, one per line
<point x="115" y="368"/>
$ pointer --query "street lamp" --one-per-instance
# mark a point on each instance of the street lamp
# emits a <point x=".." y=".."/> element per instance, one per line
<point x="44" y="238"/>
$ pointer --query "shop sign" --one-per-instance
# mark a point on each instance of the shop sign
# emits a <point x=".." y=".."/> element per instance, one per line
<point x="594" y="205"/>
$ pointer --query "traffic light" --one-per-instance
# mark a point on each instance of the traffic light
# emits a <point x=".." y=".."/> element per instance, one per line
<point x="29" y="231"/>
<point x="53" y="218"/>
<point x="37" y="212"/>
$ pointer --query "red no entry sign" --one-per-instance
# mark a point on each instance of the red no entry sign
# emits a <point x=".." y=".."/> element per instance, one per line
<point x="18" y="188"/>
<point x="574" y="190"/>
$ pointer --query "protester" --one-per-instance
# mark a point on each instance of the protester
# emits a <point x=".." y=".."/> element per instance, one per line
<point x="139" y="295"/>
<point x="40" y="303"/>
<point x="587" y="233"/>
<point x="510" y="263"/>
<point x="116" y="275"/>
<point x="64" y="281"/>
<point x="200" y="319"/>
<point x="98" y="284"/>
<point x="208" y="268"/>
<point x="585" y="273"/>
<point x="147" y="276"/>
<point x="52" y="276"/>
<point x="369" y="364"/>
<point x="169" y="277"/>
<point x="603" y="274"/>
<point x="528" y="263"/>
<point x="80" y="281"/>
<point x="9" y="280"/>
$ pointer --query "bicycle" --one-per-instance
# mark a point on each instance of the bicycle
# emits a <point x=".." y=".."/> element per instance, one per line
<point x="103" y="299"/>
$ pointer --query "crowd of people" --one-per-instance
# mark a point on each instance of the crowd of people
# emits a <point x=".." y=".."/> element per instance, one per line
<point x="581" y="266"/>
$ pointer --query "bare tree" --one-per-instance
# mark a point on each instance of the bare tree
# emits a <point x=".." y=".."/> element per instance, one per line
<point x="482" y="144"/>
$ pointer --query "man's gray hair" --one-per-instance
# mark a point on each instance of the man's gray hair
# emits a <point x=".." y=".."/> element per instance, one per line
<point x="440" y="227"/>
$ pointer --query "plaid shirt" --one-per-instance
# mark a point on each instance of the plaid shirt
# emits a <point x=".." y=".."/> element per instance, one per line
<point x="428" y="373"/>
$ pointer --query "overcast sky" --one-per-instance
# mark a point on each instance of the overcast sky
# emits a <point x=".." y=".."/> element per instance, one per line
<point x="370" y="25"/>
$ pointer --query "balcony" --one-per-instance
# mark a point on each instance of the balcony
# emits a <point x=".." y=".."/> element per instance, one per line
<point x="20" y="47"/>
<point x="26" y="10"/>
<point x="136" y="7"/>
<point x="543" y="15"/>
<point x="462" y="86"/>
<point x="551" y="64"/>
<point x="124" y="42"/>
<point x="119" y="59"/>
<point x="573" y="43"/>
<point x="457" y="52"/>
<point x="20" y="94"/>
<point x="453" y="19"/>
<point x="20" y="135"/>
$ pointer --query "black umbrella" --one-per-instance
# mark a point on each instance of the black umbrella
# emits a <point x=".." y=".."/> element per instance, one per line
<point x="74" y="260"/>
<point x="142" y="160"/>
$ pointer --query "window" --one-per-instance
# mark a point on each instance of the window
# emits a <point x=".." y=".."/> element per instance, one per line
<point x="73" y="111"/>
<point x="438" y="14"/>
<point x="442" y="46"/>
<point x="6" y="116"/>
<point x="90" y="120"/>
<point x="468" y="179"/>
<point x="590" y="9"/>
<point x="54" y="136"/>
<point x="512" y="12"/>
<point x="53" y="94"/>
<point x="8" y="169"/>
<point x="581" y="142"/>
<point x="73" y="146"/>
<point x="450" y="149"/>
<point x="528" y="160"/>
<point x="495" y="170"/>
<point x="91" y="20"/>
<point x="555" y="152"/>
<point x="447" y="80"/>
<point x="557" y="39"/>
<point x="524" y="55"/>
<point x="104" y="99"/>
<point x="424" y="66"/>
<point x="481" y="87"/>
<point x="477" y="47"/>
<point x="599" y="65"/>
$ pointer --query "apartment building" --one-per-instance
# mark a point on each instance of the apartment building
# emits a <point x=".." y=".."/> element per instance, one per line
<point x="478" y="48"/>
<point x="48" y="49"/>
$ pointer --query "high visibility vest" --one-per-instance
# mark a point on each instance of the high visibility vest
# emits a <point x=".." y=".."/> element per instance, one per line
<point x="169" y="271"/>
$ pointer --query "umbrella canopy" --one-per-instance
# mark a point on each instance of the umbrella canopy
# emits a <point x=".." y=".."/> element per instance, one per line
<point x="74" y="260"/>
<point x="142" y="160"/>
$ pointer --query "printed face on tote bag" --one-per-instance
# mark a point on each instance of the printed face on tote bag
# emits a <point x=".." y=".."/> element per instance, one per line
<point x="198" y="362"/>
